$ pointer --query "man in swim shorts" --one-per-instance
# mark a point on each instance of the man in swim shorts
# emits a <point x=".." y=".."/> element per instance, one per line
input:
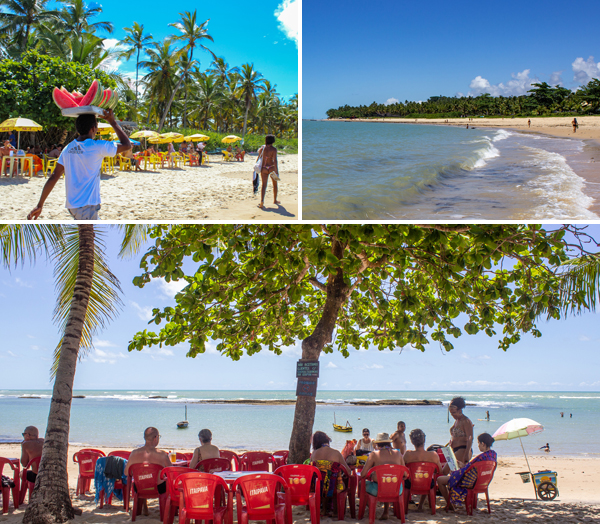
<point x="31" y="448"/>
<point x="399" y="439"/>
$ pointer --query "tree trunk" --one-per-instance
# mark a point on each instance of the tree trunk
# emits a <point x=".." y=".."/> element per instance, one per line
<point x="50" y="500"/>
<point x="304" y="414"/>
<point x="245" y="119"/>
<point x="137" y="66"/>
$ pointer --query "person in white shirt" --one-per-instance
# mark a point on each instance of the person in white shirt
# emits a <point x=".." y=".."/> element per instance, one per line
<point x="81" y="161"/>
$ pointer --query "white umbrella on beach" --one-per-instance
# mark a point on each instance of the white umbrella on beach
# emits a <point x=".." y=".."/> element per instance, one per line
<point x="517" y="428"/>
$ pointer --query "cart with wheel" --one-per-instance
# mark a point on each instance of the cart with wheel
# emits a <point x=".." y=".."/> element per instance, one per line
<point x="545" y="483"/>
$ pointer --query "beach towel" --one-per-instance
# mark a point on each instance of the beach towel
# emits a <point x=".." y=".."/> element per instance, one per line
<point x="101" y="483"/>
<point x="114" y="467"/>
<point x="460" y="480"/>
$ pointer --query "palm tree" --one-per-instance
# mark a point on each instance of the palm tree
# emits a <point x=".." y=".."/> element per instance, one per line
<point x="192" y="34"/>
<point x="209" y="92"/>
<point x="137" y="41"/>
<point x="221" y="69"/>
<point x="20" y="16"/>
<point x="250" y="82"/>
<point x="88" y="297"/>
<point x="76" y="14"/>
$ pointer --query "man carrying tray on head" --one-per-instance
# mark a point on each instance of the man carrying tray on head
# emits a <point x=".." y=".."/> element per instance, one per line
<point x="81" y="161"/>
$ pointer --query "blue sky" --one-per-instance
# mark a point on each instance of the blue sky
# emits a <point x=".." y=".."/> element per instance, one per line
<point x="263" y="33"/>
<point x="357" y="52"/>
<point x="564" y="359"/>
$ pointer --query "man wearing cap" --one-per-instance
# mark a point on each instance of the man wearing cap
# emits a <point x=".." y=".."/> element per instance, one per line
<point x="383" y="454"/>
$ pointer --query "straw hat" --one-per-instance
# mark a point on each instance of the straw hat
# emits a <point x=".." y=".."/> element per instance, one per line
<point x="382" y="438"/>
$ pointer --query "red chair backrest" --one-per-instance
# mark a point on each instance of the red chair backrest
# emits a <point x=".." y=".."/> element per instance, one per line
<point x="145" y="477"/>
<point x="232" y="456"/>
<point x="259" y="491"/>
<point x="299" y="479"/>
<point x="214" y="464"/>
<point x="33" y="461"/>
<point x="120" y="453"/>
<point x="182" y="456"/>
<point x="256" y="461"/>
<point x="389" y="479"/>
<point x="421" y="474"/>
<point x="441" y="455"/>
<point x="280" y="458"/>
<point x="4" y="461"/>
<point x="99" y="451"/>
<point x="198" y="493"/>
<point x="485" y="473"/>
<point x="171" y="475"/>
<point x="87" y="462"/>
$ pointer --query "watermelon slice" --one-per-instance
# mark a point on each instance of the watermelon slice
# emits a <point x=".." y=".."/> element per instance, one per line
<point x="105" y="98"/>
<point x="91" y="94"/>
<point x="114" y="100"/>
<point x="99" y="95"/>
<point x="62" y="99"/>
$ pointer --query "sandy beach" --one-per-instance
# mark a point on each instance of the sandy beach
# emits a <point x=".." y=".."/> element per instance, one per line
<point x="511" y="500"/>
<point x="219" y="191"/>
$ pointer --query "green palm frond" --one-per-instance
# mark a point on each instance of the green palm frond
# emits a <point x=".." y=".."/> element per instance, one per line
<point x="134" y="236"/>
<point x="581" y="276"/>
<point x="21" y="242"/>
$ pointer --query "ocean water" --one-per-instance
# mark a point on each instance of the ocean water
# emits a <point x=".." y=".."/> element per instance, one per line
<point x="118" y="418"/>
<point x="376" y="171"/>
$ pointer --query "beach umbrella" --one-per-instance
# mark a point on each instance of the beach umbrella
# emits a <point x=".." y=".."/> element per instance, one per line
<point x="171" y="136"/>
<point x="230" y="139"/>
<point x="104" y="128"/>
<point x="197" y="138"/>
<point x="517" y="428"/>
<point x="19" y="124"/>
<point x="146" y="133"/>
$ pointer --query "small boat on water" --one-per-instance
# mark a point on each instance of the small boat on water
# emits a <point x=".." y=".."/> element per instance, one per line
<point x="184" y="423"/>
<point x="343" y="429"/>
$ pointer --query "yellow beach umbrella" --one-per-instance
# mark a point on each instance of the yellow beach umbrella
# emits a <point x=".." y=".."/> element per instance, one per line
<point x="104" y="128"/>
<point x="146" y="133"/>
<point x="171" y="136"/>
<point x="159" y="140"/>
<point x="19" y="124"/>
<point x="230" y="139"/>
<point x="197" y="138"/>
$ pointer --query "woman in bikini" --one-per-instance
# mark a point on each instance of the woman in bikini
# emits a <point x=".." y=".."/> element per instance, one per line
<point x="269" y="165"/>
<point x="206" y="449"/>
<point x="461" y="433"/>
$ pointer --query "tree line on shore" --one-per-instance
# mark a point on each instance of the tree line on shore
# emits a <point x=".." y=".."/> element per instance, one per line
<point x="171" y="88"/>
<point x="543" y="100"/>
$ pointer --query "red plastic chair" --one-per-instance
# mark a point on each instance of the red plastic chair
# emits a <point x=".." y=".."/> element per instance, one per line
<point x="145" y="478"/>
<point x="485" y="474"/>
<point x="233" y="457"/>
<point x="120" y="453"/>
<point x="423" y="477"/>
<point x="299" y="479"/>
<point x="118" y="483"/>
<point x="99" y="451"/>
<point x="200" y="498"/>
<point x="260" y="498"/>
<point x="87" y="467"/>
<point x="214" y="464"/>
<point x="184" y="456"/>
<point x="27" y="486"/>
<point x="390" y="479"/>
<point x="171" y="476"/>
<point x="441" y="456"/>
<point x="5" y="491"/>
<point x="280" y="458"/>
<point x="348" y="493"/>
<point x="257" y="461"/>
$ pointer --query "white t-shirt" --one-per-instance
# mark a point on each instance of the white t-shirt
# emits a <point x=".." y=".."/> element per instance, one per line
<point x="82" y="162"/>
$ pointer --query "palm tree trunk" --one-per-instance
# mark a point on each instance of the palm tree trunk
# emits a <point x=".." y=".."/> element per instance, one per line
<point x="50" y="501"/>
<point x="137" y="66"/>
<point x="246" y="119"/>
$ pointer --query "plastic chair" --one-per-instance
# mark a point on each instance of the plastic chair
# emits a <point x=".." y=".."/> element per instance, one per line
<point x="233" y="457"/>
<point x="261" y="499"/>
<point x="145" y="479"/>
<point x="87" y="467"/>
<point x="214" y="464"/>
<point x="340" y="497"/>
<point x="227" y="156"/>
<point x="390" y="479"/>
<point x="280" y="458"/>
<point x="27" y="486"/>
<point x="485" y="473"/>
<point x="200" y="498"/>
<point x="183" y="456"/>
<point x="205" y="159"/>
<point x="99" y="451"/>
<point x="299" y="478"/>
<point x="118" y="483"/>
<point x="124" y="163"/>
<point x="256" y="461"/>
<point x="171" y="476"/>
<point x="5" y="491"/>
<point x="423" y="477"/>
<point x="50" y="166"/>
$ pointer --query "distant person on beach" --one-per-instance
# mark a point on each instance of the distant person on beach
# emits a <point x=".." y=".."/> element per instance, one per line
<point x="399" y="439"/>
<point x="55" y="151"/>
<point x="487" y="416"/>
<point x="269" y="169"/>
<point x="461" y="433"/>
<point x="148" y="453"/>
<point x="12" y="139"/>
<point x="81" y="162"/>
<point x="384" y="454"/>
<point x="31" y="448"/>
<point x="529" y="123"/>
<point x="183" y="148"/>
<point x="417" y="438"/>
<point x="570" y="415"/>
<point x="575" y="125"/>
<point x="206" y="450"/>
<point x="171" y="152"/>
<point x="546" y="448"/>
<point x="200" y="149"/>
<point x="562" y="414"/>
<point x="365" y="444"/>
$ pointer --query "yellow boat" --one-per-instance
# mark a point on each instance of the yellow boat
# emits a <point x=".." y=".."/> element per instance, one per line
<point x="343" y="429"/>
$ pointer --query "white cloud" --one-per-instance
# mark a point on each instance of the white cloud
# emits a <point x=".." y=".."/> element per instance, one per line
<point x="391" y="101"/>
<point x="585" y="70"/>
<point x="145" y="313"/>
<point x="36" y="348"/>
<point x="374" y="366"/>
<point x="330" y="365"/>
<point x="479" y="357"/>
<point x="169" y="289"/>
<point x="106" y="357"/>
<point x="589" y="384"/>
<point x="112" y="63"/>
<point x="11" y="354"/>
<point x="519" y="85"/>
<point x="556" y="79"/>
<point x="287" y="14"/>
<point x="22" y="283"/>
<point x="158" y="353"/>
<point x="583" y="338"/>
<point x="104" y="344"/>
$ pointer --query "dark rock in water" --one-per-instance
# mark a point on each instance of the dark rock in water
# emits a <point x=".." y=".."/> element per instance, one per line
<point x="78" y="396"/>
<point x="396" y="403"/>
<point x="30" y="397"/>
<point x="157" y="396"/>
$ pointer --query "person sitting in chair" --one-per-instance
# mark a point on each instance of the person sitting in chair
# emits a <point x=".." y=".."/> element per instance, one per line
<point x="206" y="450"/>
<point x="31" y="448"/>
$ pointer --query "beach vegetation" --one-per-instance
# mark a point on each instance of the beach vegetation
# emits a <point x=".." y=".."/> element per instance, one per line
<point x="342" y="287"/>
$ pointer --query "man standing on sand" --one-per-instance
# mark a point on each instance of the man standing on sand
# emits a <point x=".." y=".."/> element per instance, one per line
<point x="399" y="439"/>
<point x="81" y="162"/>
<point x="529" y="123"/>
<point x="384" y="454"/>
<point x="149" y="453"/>
<point x="31" y="448"/>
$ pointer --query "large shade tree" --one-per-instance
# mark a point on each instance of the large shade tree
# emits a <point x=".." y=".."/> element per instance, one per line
<point x="88" y="297"/>
<point x="343" y="286"/>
